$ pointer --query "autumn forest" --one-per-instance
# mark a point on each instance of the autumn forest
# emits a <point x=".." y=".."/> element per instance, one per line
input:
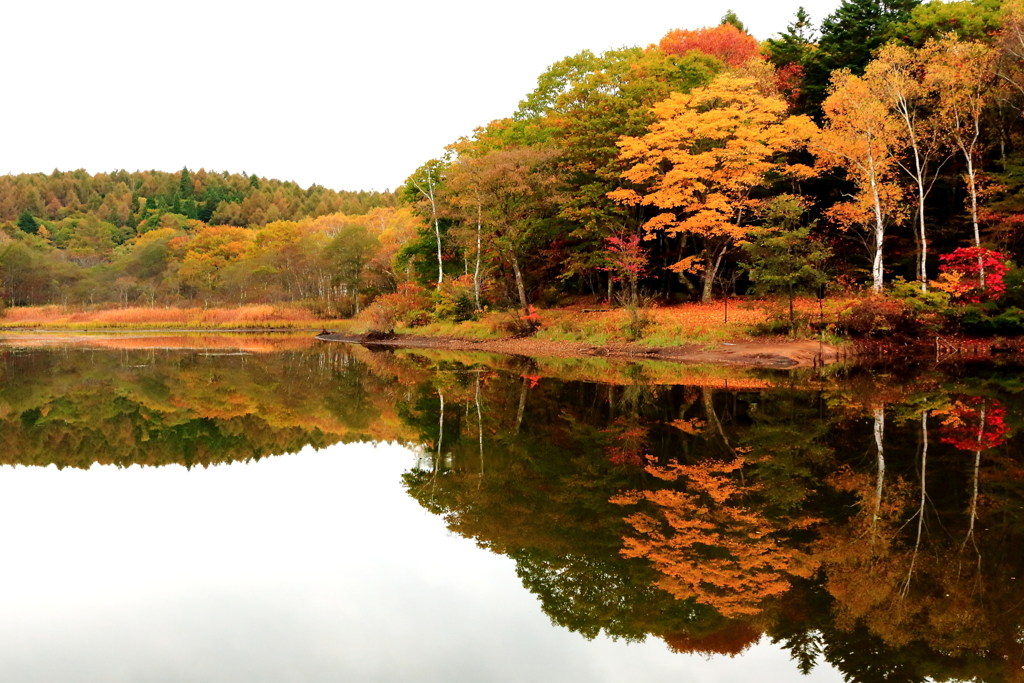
<point x="703" y="363"/>
<point x="876" y="154"/>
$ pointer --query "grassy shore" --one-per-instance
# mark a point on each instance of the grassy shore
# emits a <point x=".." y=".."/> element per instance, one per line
<point x="656" y="326"/>
<point x="664" y="326"/>
<point x="256" y="317"/>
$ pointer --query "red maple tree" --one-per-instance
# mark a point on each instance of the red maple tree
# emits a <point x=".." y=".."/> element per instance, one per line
<point x="725" y="42"/>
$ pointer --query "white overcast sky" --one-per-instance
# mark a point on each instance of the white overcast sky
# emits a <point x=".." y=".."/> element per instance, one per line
<point x="349" y="95"/>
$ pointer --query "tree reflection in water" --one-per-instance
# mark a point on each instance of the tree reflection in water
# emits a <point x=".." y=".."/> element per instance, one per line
<point x="870" y="520"/>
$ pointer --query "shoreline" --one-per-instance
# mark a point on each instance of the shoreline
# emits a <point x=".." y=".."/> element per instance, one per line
<point x="779" y="354"/>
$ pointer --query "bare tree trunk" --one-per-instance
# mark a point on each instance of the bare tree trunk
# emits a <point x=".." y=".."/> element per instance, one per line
<point x="877" y="268"/>
<point x="707" y="397"/>
<point x="972" y="190"/>
<point x="440" y="435"/>
<point x="977" y="469"/>
<point x="479" y="424"/>
<point x="879" y="431"/>
<point x="428" y="191"/>
<point x="519" y="284"/>
<point x="710" y="272"/>
<point x="923" y="499"/>
<point x="908" y="115"/>
<point x="522" y="405"/>
<point x="476" y="272"/>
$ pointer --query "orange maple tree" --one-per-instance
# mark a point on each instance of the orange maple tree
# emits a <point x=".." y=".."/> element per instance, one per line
<point x="703" y="157"/>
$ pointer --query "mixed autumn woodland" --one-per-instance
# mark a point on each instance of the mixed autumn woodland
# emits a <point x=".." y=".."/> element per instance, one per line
<point x="875" y="156"/>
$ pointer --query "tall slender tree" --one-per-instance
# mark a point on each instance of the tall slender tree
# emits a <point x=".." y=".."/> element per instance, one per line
<point x="897" y="77"/>
<point x="425" y="183"/>
<point x="862" y="137"/>
<point x="963" y="75"/>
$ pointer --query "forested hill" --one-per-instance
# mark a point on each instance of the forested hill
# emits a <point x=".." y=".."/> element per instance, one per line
<point x="150" y="237"/>
<point x="134" y="202"/>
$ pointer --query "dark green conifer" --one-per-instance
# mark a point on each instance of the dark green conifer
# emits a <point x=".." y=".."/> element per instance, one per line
<point x="731" y="18"/>
<point x="849" y="38"/>
<point x="26" y="223"/>
<point x="186" y="190"/>
<point x="795" y="43"/>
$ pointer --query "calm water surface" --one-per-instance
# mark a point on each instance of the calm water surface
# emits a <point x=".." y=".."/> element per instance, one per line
<point x="279" y="510"/>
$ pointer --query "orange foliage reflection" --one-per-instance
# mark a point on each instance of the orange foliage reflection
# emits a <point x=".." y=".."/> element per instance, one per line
<point x="709" y="545"/>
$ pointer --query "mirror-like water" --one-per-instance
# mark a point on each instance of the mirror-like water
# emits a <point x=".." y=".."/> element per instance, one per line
<point x="562" y="521"/>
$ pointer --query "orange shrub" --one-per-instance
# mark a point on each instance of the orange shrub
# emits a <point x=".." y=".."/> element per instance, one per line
<point x="406" y="307"/>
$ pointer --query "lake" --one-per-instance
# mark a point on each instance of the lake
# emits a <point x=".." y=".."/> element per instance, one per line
<point x="273" y="508"/>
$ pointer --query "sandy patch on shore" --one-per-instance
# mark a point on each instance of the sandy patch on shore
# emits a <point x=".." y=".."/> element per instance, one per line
<point x="773" y="353"/>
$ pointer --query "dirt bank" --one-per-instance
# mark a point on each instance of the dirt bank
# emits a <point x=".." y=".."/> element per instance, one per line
<point x="781" y="353"/>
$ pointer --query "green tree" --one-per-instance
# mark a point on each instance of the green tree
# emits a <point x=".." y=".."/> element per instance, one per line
<point x="730" y="18"/>
<point x="185" y="188"/>
<point x="519" y="195"/>
<point x="783" y="256"/>
<point x="585" y="104"/>
<point x="348" y="253"/>
<point x="92" y="241"/>
<point x="793" y="45"/>
<point x="968" y="19"/>
<point x="26" y="223"/>
<point x="849" y="38"/>
<point x="422" y="190"/>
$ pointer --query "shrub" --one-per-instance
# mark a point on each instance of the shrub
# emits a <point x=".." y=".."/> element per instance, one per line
<point x="453" y="300"/>
<point x="638" y="321"/>
<point x="519" y="326"/>
<point x="962" y="274"/>
<point x="878" y="316"/>
<point x="1014" y="295"/>
<point x="550" y="297"/>
<point x="930" y="304"/>
<point x="778" y="322"/>
<point x="405" y="307"/>
<point x="983" y="320"/>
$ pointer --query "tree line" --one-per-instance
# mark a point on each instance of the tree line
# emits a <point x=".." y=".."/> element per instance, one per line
<point x="880" y="147"/>
<point x="151" y="237"/>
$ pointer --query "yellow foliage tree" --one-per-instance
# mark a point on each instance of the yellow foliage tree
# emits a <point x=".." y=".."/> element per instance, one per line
<point x="703" y="157"/>
<point x="963" y="75"/>
<point x="897" y="76"/>
<point x="862" y="137"/>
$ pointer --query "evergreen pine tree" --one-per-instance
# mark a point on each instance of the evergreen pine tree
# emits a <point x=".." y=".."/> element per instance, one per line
<point x="205" y="212"/>
<point x="186" y="190"/>
<point x="795" y="44"/>
<point x="849" y="38"/>
<point x="26" y="223"/>
<point x="731" y="18"/>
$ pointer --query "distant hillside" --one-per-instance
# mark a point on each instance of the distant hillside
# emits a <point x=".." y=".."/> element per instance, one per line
<point x="153" y="238"/>
<point x="130" y="200"/>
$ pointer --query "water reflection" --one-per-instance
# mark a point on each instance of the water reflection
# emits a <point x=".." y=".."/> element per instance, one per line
<point x="872" y="522"/>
